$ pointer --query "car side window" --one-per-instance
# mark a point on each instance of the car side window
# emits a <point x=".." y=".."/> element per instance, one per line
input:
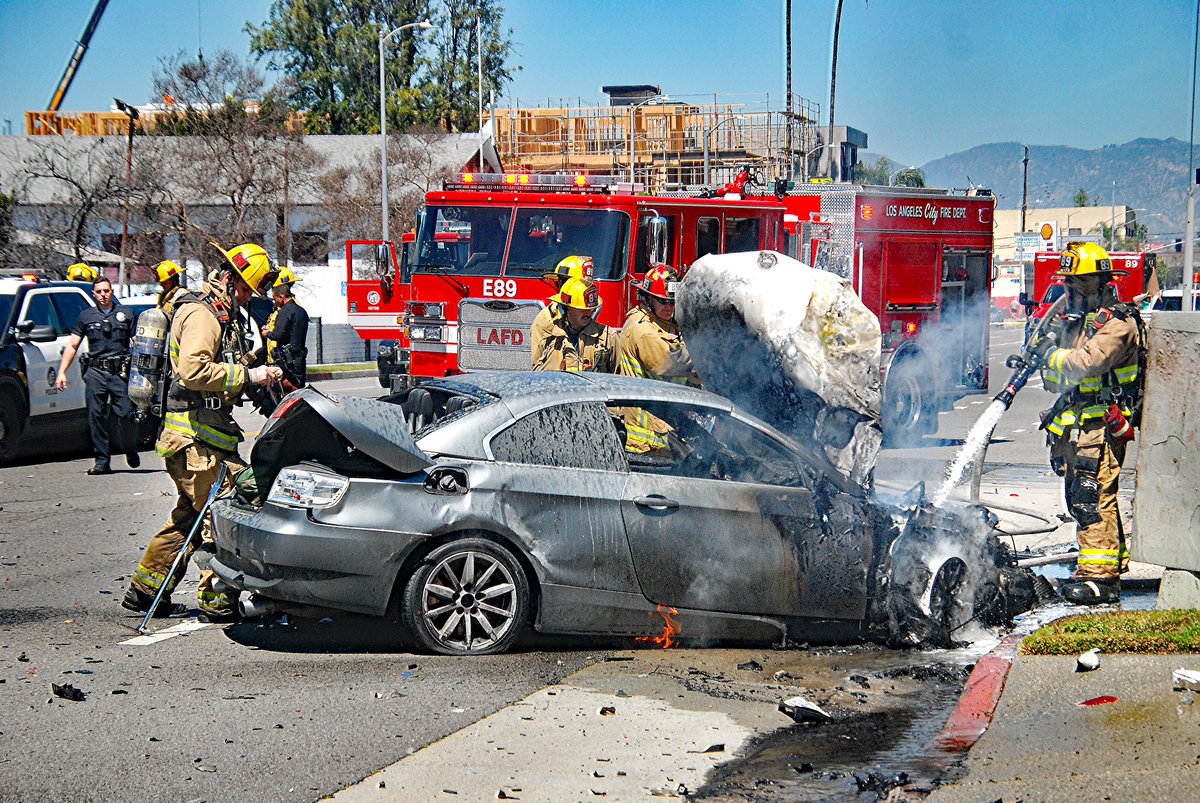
<point x="68" y="306"/>
<point x="39" y="310"/>
<point x="565" y="436"/>
<point x="703" y="443"/>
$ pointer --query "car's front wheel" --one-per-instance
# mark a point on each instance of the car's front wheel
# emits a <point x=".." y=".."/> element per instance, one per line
<point x="468" y="597"/>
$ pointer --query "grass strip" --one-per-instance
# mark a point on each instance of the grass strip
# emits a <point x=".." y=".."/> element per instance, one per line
<point x="1148" y="632"/>
<point x="340" y="367"/>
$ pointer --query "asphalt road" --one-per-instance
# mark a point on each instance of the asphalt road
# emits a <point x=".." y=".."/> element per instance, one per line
<point x="272" y="711"/>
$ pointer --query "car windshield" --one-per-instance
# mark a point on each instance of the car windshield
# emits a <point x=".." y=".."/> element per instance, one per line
<point x="1052" y="293"/>
<point x="466" y="240"/>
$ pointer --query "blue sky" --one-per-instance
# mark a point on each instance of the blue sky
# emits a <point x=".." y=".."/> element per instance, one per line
<point x="922" y="78"/>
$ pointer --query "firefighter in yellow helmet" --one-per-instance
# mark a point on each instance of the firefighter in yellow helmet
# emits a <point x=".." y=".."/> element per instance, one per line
<point x="170" y="277"/>
<point x="1091" y="357"/>
<point x="286" y="331"/>
<point x="650" y="347"/>
<point x="576" y="341"/>
<point x="199" y="433"/>
<point x="82" y="272"/>
<point x="572" y="267"/>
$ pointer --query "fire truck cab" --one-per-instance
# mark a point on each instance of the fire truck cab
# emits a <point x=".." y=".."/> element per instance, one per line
<point x="921" y="260"/>
<point x="472" y="306"/>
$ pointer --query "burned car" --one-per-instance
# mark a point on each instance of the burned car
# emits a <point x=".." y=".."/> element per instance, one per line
<point x="472" y="508"/>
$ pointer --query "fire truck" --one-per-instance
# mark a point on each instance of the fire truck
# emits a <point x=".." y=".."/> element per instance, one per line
<point x="471" y="306"/>
<point x="921" y="260"/>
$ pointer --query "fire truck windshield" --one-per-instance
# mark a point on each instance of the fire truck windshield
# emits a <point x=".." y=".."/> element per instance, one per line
<point x="540" y="238"/>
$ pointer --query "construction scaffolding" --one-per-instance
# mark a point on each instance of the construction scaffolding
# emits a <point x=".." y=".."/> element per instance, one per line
<point x="672" y="139"/>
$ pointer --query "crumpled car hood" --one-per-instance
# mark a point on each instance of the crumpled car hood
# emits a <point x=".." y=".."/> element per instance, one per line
<point x="376" y="428"/>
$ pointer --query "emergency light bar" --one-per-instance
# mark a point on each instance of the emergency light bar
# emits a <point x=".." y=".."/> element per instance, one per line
<point x="544" y="182"/>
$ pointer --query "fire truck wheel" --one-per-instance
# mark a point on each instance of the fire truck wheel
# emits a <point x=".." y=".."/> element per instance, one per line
<point x="10" y="425"/>
<point x="467" y="597"/>
<point x="907" y="412"/>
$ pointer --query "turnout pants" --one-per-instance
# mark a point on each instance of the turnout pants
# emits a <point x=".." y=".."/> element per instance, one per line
<point x="107" y="393"/>
<point x="194" y="470"/>
<point x="1102" y="550"/>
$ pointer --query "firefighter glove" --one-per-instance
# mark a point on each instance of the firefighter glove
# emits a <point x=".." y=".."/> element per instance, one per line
<point x="265" y="375"/>
<point x="1040" y="349"/>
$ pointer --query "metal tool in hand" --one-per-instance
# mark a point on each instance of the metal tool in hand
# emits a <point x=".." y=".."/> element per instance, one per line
<point x="222" y="472"/>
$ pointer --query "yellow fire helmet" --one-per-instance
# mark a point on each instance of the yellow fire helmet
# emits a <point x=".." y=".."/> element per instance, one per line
<point x="1085" y="259"/>
<point x="166" y="269"/>
<point x="575" y="267"/>
<point x="254" y="266"/>
<point x="286" y="278"/>
<point x="81" y="272"/>
<point x="579" y="294"/>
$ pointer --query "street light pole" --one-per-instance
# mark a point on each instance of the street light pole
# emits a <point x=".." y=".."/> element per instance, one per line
<point x="708" y="133"/>
<point x="383" y="38"/>
<point x="133" y="115"/>
<point x="632" y="109"/>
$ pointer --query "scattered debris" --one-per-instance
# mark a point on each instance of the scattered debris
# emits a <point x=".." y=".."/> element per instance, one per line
<point x="613" y="658"/>
<point x="382" y="785"/>
<point x="119" y="691"/>
<point x="803" y="768"/>
<point x="714" y="748"/>
<point x="879" y="783"/>
<point x="802" y="710"/>
<point x="782" y="674"/>
<point x="622" y="693"/>
<point x="1088" y="661"/>
<point x="751" y="666"/>
<point x="860" y="680"/>
<point x="1103" y="699"/>
<point x="23" y="658"/>
<point x="68" y="692"/>
<point x="608" y="711"/>
<point x="1188" y="679"/>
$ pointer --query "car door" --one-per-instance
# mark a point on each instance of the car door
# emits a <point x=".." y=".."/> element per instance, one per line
<point x="711" y="527"/>
<point x="42" y="359"/>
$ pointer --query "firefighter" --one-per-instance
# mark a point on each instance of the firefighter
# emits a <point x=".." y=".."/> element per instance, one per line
<point x="81" y="272"/>
<point x="108" y="327"/>
<point x="650" y="347"/>
<point x="1091" y="359"/>
<point x="170" y="278"/>
<point x="199" y="433"/>
<point x="286" y="331"/>
<point x="576" y="341"/>
<point x="572" y="267"/>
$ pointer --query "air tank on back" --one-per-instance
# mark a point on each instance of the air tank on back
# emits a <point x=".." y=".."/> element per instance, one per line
<point x="148" y="362"/>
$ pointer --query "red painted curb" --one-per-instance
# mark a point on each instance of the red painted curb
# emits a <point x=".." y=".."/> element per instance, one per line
<point x="973" y="714"/>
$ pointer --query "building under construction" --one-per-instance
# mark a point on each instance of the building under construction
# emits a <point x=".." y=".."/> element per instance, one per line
<point x="671" y="143"/>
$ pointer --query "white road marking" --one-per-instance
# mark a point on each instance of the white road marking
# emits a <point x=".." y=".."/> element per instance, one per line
<point x="186" y="626"/>
<point x="976" y="402"/>
<point x="1015" y="431"/>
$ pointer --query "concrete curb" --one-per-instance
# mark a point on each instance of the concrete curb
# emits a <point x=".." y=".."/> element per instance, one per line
<point x="973" y="714"/>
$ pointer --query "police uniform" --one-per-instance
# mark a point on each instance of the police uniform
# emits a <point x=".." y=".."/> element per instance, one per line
<point x="287" y="326"/>
<point x="104" y="375"/>
<point x="198" y="436"/>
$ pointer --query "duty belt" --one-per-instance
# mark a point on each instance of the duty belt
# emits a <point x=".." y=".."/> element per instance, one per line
<point x="112" y="365"/>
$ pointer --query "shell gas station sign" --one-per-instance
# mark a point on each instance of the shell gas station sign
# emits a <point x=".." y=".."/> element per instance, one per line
<point x="1048" y="234"/>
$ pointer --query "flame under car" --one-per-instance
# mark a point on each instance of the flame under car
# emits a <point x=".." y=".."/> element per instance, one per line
<point x="473" y="508"/>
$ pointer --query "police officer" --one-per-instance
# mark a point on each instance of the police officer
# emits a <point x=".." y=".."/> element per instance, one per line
<point x="572" y="267"/>
<point x="286" y="331"/>
<point x="1091" y="359"/>
<point x="199" y="433"/>
<point x="108" y="327"/>
<point x="576" y="341"/>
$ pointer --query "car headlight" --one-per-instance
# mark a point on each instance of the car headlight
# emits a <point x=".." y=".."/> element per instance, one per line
<point x="306" y="488"/>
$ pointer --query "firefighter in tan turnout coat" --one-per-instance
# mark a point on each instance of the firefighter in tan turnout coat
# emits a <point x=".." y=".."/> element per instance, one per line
<point x="1091" y="359"/>
<point x="574" y="340"/>
<point x="199" y="433"/>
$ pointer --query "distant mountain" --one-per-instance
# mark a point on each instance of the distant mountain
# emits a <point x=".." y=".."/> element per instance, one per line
<point x="1150" y="175"/>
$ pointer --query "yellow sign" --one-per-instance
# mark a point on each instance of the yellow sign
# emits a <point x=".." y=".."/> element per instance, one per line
<point x="1047" y="231"/>
<point x="820" y="181"/>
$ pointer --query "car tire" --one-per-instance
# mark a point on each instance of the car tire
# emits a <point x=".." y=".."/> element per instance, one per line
<point x="11" y="425"/>
<point x="927" y="607"/>
<point x="467" y="597"/>
<point x="907" y="411"/>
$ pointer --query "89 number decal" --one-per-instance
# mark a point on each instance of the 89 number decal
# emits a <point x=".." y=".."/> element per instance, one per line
<point x="500" y="288"/>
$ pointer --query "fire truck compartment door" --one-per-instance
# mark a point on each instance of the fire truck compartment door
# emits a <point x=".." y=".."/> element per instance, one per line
<point x="493" y="335"/>
<point x="910" y="273"/>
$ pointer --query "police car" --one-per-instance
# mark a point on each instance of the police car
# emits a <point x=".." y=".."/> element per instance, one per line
<point x="36" y="317"/>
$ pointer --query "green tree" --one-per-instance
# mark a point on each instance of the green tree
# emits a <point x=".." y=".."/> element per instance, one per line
<point x="1082" y="198"/>
<point x="877" y="174"/>
<point x="909" y="177"/>
<point x="449" y="94"/>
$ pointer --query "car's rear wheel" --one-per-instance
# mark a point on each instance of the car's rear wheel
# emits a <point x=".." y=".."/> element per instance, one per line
<point x="468" y="597"/>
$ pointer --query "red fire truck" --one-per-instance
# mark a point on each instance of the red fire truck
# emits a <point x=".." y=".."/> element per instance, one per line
<point x="471" y="308"/>
<point x="921" y="260"/>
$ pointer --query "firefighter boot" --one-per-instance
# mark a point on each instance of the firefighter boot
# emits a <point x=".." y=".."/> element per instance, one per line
<point x="139" y="602"/>
<point x="1095" y="591"/>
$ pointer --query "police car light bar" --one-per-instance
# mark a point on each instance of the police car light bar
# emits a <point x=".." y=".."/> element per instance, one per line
<point x="544" y="182"/>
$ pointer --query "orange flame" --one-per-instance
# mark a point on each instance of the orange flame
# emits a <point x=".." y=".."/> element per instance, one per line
<point x="670" y="632"/>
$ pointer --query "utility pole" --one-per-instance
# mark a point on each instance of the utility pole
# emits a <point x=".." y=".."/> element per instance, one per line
<point x="133" y="115"/>
<point x="1024" y="187"/>
<point x="791" y="172"/>
<point x="837" y="24"/>
<point x="1189" y="234"/>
